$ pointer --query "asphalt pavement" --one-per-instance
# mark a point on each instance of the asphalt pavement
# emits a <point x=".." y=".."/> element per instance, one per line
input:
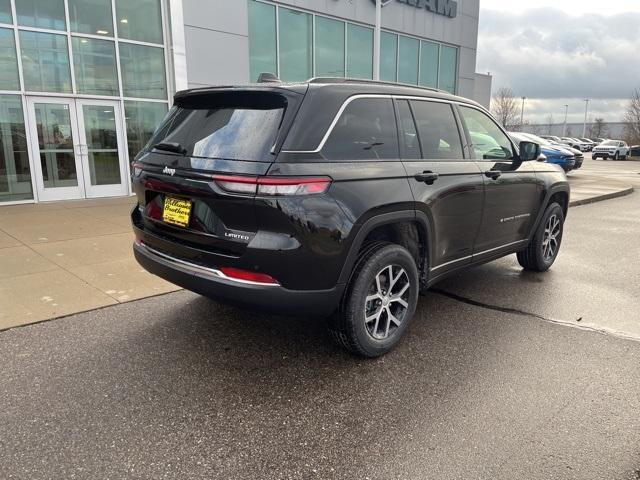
<point x="595" y="282"/>
<point x="501" y="376"/>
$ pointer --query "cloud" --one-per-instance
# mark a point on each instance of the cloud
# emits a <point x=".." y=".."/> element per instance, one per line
<point x="537" y="110"/>
<point x="545" y="53"/>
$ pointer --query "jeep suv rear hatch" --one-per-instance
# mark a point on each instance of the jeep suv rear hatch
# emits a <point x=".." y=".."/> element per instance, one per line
<point x="196" y="179"/>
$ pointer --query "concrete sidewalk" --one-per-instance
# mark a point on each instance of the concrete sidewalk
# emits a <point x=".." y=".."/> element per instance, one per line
<point x="68" y="257"/>
<point x="588" y="188"/>
<point x="61" y="258"/>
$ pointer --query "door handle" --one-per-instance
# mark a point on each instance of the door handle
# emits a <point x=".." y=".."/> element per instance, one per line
<point x="493" y="174"/>
<point x="427" y="177"/>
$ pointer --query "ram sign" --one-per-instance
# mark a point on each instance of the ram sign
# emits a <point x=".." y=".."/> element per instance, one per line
<point x="448" y="8"/>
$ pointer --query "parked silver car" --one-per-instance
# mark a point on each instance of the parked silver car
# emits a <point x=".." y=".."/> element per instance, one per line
<point x="616" y="149"/>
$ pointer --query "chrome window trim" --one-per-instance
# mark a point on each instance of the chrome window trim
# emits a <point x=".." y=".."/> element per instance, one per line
<point x="346" y="103"/>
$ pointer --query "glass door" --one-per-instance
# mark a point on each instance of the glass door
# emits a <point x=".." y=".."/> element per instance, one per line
<point x="78" y="147"/>
<point x="101" y="148"/>
<point x="54" y="143"/>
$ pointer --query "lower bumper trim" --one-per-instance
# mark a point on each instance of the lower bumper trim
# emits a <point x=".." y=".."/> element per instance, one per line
<point x="214" y="284"/>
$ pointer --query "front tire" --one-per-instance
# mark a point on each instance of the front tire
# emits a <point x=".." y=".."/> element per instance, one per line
<point x="379" y="303"/>
<point x="543" y="248"/>
<point x="616" y="156"/>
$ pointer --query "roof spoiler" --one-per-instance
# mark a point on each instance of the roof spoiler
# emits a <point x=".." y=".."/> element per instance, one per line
<point x="267" y="77"/>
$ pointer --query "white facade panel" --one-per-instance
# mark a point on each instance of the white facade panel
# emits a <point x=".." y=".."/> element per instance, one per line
<point x="216" y="58"/>
<point x="217" y="34"/>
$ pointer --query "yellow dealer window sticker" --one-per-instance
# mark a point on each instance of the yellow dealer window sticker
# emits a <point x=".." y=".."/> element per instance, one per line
<point x="176" y="211"/>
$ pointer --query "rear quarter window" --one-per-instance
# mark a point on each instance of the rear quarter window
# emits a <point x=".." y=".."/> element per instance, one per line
<point x="366" y="130"/>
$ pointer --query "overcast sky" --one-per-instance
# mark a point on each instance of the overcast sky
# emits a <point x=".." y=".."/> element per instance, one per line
<point x="561" y="52"/>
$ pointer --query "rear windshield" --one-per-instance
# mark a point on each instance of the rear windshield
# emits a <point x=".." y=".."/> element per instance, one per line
<point x="231" y="126"/>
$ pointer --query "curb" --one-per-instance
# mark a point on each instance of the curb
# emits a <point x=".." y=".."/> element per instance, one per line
<point x="600" y="198"/>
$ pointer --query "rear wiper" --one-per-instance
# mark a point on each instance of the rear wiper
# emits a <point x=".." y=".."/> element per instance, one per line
<point x="170" y="147"/>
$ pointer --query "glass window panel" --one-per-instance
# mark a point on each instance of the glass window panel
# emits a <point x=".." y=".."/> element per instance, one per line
<point x="359" y="51"/>
<point x="5" y="11"/>
<point x="8" y="61"/>
<point x="262" y="39"/>
<point x="388" y="57"/>
<point x="295" y="45"/>
<point x="228" y="130"/>
<point x="366" y="130"/>
<point x="142" y="119"/>
<point x="329" y="47"/>
<point x="408" y="60"/>
<point x="15" y="174"/>
<point x="91" y="16"/>
<point x="45" y="62"/>
<point x="448" y="68"/>
<point x="41" y="14"/>
<point x="143" y="74"/>
<point x="409" y="141"/>
<point x="488" y="142"/>
<point x="102" y="144"/>
<point x="429" y="54"/>
<point x="438" y="131"/>
<point x="139" y="20"/>
<point x="94" y="63"/>
<point x="55" y="142"/>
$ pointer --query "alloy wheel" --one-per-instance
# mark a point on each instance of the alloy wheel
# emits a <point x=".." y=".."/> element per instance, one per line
<point x="387" y="302"/>
<point x="551" y="238"/>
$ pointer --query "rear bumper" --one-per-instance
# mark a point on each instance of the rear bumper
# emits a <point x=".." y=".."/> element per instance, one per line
<point x="209" y="282"/>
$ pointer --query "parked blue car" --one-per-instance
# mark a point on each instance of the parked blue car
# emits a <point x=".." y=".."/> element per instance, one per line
<point x="558" y="155"/>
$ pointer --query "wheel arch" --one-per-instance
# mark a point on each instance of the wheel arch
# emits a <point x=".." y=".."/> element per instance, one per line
<point x="393" y="227"/>
<point x="559" y="193"/>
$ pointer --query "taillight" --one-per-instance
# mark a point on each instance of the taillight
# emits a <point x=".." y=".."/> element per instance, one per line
<point x="273" y="186"/>
<point x="248" y="276"/>
<point x="137" y="169"/>
<point x="293" y="186"/>
<point x="237" y="184"/>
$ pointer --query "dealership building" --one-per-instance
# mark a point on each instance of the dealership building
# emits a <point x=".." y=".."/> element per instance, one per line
<point x="83" y="83"/>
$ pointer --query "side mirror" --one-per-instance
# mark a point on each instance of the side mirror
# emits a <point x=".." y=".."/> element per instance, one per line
<point x="529" y="151"/>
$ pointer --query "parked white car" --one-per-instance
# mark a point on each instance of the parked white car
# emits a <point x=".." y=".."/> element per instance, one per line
<point x="616" y="149"/>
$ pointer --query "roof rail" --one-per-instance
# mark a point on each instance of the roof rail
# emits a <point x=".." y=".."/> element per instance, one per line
<point x="373" y="82"/>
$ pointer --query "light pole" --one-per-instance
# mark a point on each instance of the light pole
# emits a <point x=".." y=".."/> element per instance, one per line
<point x="564" y="127"/>
<point x="522" y="114"/>
<point x="376" y="41"/>
<point x="586" y="111"/>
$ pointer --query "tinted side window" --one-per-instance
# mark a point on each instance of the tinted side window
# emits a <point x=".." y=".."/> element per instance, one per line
<point x="438" y="130"/>
<point x="366" y="130"/>
<point x="488" y="142"/>
<point x="408" y="135"/>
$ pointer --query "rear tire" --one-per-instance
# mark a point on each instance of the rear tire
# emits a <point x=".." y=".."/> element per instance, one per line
<point x="543" y="248"/>
<point x="379" y="302"/>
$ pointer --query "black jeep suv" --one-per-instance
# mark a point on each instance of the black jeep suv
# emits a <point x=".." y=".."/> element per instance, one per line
<point x="338" y="198"/>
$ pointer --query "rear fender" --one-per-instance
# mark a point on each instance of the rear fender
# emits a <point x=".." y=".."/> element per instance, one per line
<point x="386" y="219"/>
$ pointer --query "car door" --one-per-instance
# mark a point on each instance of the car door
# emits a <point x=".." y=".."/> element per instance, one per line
<point x="447" y="188"/>
<point x="624" y="149"/>
<point x="512" y="194"/>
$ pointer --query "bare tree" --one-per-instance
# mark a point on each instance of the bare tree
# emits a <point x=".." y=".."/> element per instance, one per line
<point x="505" y="107"/>
<point x="569" y="132"/>
<point x="550" y="124"/>
<point x="598" y="128"/>
<point x="632" y="119"/>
